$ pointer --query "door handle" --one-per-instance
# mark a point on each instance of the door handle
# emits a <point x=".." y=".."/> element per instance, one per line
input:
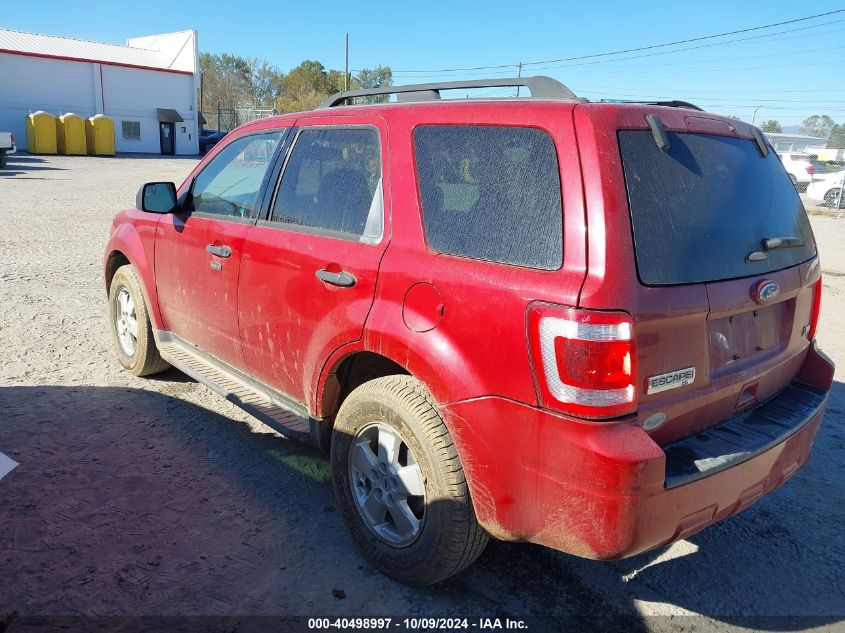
<point x="342" y="279"/>
<point x="220" y="251"/>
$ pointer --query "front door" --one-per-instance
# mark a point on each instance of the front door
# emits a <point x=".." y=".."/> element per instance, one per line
<point x="198" y="251"/>
<point x="309" y="269"/>
<point x="165" y="133"/>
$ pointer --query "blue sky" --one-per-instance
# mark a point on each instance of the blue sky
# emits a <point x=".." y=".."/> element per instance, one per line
<point x="788" y="73"/>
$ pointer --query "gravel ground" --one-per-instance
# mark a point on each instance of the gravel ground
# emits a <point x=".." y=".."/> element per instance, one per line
<point x="157" y="497"/>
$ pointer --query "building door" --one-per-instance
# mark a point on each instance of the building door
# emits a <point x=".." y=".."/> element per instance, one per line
<point x="166" y="133"/>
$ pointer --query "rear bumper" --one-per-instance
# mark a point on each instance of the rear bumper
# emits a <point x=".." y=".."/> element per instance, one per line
<point x="607" y="491"/>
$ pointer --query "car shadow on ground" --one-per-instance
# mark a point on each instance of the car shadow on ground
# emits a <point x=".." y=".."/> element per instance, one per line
<point x="129" y="501"/>
<point x="25" y="158"/>
<point x="19" y="166"/>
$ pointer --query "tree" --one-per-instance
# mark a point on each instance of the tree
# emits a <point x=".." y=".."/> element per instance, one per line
<point x="772" y="126"/>
<point x="265" y="81"/>
<point x="817" y="125"/>
<point x="304" y="87"/>
<point x="227" y="79"/>
<point x="377" y="77"/>
<point x="837" y="137"/>
<point x="334" y="81"/>
<point x="233" y="82"/>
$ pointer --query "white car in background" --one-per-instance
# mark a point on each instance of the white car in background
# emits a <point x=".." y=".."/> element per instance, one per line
<point x="802" y="168"/>
<point x="826" y="188"/>
<point x="7" y="146"/>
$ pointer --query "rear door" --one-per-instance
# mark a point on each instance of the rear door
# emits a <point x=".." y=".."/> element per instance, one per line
<point x="722" y="271"/>
<point x="198" y="250"/>
<point x="309" y="268"/>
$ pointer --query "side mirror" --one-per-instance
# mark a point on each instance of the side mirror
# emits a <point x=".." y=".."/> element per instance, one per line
<point x="156" y="197"/>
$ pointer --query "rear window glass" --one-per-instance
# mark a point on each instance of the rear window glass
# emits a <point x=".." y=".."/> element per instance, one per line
<point x="491" y="193"/>
<point x="699" y="209"/>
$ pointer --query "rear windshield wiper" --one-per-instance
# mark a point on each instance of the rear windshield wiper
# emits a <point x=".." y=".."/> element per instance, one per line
<point x="771" y="243"/>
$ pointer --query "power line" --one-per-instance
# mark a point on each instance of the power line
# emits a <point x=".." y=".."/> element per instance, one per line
<point x="691" y="48"/>
<point x="723" y="69"/>
<point x="755" y="91"/>
<point x="406" y="74"/>
<point x="628" y="50"/>
<point x="687" y="41"/>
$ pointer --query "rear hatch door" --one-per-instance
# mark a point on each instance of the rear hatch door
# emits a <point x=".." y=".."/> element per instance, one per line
<point x="721" y="307"/>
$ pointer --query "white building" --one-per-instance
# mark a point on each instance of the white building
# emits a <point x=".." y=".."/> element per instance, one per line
<point x="800" y="143"/>
<point x="147" y="87"/>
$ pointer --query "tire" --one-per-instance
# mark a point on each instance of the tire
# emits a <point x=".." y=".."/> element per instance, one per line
<point x="143" y="358"/>
<point x="448" y="537"/>
<point x="2" y="161"/>
<point x="831" y="198"/>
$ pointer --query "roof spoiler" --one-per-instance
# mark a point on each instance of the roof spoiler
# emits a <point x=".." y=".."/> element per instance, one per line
<point x="658" y="131"/>
<point x="762" y="145"/>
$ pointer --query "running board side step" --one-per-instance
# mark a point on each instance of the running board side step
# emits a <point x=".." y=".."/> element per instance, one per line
<point x="275" y="410"/>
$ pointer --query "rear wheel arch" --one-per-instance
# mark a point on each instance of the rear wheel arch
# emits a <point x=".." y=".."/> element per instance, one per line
<point x="346" y="374"/>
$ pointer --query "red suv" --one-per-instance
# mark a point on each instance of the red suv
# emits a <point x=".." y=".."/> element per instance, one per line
<point x="585" y="325"/>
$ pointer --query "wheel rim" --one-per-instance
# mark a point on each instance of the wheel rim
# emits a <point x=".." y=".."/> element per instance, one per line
<point x="126" y="323"/>
<point x="387" y="484"/>
<point x="831" y="198"/>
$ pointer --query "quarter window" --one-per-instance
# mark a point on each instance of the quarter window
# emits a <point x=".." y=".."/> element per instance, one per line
<point x="332" y="182"/>
<point x="229" y="183"/>
<point x="491" y="193"/>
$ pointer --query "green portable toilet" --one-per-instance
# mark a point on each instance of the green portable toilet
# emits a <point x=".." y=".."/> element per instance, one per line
<point x="41" y="133"/>
<point x="70" y="135"/>
<point x="99" y="133"/>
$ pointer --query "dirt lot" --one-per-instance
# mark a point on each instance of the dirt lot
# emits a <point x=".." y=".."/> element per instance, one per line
<point x="155" y="496"/>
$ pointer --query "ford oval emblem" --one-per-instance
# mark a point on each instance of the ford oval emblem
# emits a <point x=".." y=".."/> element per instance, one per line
<point x="766" y="291"/>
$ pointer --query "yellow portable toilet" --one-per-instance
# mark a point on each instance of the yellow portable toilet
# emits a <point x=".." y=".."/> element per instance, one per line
<point x="41" y="133"/>
<point x="70" y="135"/>
<point x="99" y="132"/>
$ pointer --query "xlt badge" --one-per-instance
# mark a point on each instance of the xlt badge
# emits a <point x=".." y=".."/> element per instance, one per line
<point x="671" y="380"/>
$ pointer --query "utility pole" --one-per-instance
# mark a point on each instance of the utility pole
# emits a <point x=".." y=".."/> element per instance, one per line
<point x="346" y="73"/>
<point x="519" y="74"/>
<point x="754" y="116"/>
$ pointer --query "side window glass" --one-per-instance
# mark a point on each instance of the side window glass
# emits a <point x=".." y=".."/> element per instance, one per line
<point x="229" y="183"/>
<point x="332" y="181"/>
<point x="491" y="193"/>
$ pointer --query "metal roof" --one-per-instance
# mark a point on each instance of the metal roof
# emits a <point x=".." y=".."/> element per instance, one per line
<point x="52" y="46"/>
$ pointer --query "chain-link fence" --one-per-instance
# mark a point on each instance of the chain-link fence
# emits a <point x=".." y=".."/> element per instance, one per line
<point x="227" y="119"/>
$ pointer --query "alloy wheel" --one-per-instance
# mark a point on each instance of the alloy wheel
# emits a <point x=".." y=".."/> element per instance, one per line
<point x="387" y="484"/>
<point x="126" y="323"/>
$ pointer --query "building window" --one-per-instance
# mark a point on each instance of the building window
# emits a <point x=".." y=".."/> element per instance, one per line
<point x="131" y="130"/>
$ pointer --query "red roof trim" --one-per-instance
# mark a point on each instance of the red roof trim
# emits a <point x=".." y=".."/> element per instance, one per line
<point x="94" y="61"/>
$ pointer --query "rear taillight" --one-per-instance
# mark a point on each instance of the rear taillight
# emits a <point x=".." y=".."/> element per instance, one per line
<point x="810" y="169"/>
<point x="815" y="309"/>
<point x="585" y="361"/>
<point x="13" y="138"/>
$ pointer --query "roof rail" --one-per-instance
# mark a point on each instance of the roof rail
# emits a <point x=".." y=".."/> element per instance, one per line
<point x="675" y="103"/>
<point x="540" y="87"/>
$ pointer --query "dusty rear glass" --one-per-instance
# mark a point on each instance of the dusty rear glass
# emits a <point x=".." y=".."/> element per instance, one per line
<point x="491" y="193"/>
<point x="700" y="208"/>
